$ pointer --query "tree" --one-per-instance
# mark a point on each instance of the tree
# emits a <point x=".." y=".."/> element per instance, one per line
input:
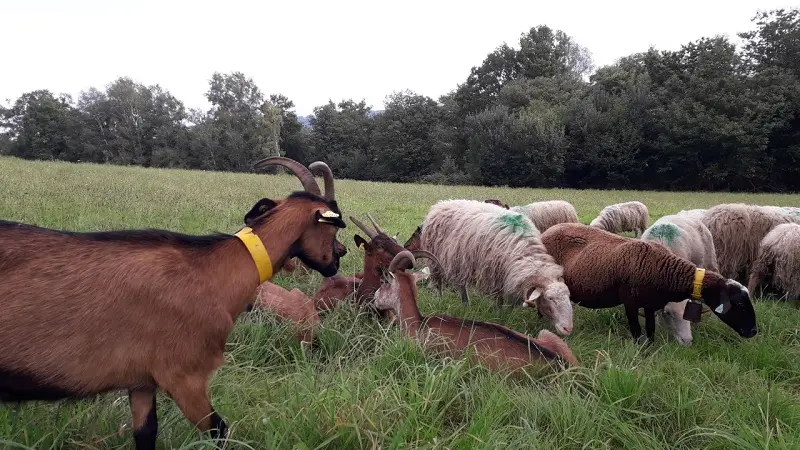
<point x="42" y="126"/>
<point x="341" y="136"/>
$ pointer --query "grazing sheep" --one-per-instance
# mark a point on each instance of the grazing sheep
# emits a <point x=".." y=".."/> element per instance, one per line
<point x="492" y="345"/>
<point x="292" y="305"/>
<point x="497" y="202"/>
<point x="603" y="270"/>
<point x="548" y="213"/>
<point x="694" y="213"/>
<point x="779" y="260"/>
<point x="687" y="237"/>
<point x="738" y="229"/>
<point x="622" y="217"/>
<point x="146" y="310"/>
<point x="499" y="251"/>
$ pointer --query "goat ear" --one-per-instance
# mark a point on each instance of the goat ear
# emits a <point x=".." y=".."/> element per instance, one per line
<point x="260" y="208"/>
<point x="361" y="243"/>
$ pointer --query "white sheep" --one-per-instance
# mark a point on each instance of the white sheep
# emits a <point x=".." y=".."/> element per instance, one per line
<point x="500" y="252"/>
<point x="687" y="237"/>
<point x="779" y="259"/>
<point x="545" y="214"/>
<point x="622" y="217"/>
<point x="738" y="229"/>
<point x="696" y="213"/>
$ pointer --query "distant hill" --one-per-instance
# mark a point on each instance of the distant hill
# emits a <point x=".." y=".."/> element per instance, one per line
<point x="306" y="120"/>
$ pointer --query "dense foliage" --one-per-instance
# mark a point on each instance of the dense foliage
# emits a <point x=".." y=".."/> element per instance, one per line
<point x="709" y="116"/>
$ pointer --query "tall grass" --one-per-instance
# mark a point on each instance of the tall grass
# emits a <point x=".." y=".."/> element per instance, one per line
<point x="366" y="387"/>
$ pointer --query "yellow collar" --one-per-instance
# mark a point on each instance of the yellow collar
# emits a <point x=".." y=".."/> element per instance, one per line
<point x="698" y="283"/>
<point x="258" y="252"/>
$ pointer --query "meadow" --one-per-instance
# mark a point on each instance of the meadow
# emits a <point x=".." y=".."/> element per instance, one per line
<point x="365" y="386"/>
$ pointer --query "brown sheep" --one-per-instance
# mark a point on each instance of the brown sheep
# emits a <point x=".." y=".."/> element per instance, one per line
<point x="495" y="346"/>
<point x="149" y="309"/>
<point x="603" y="270"/>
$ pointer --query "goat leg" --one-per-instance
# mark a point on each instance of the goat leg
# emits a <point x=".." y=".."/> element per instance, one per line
<point x="145" y="419"/>
<point x="633" y="321"/>
<point x="190" y="393"/>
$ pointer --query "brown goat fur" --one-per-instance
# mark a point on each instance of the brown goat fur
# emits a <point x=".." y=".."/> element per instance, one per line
<point x="603" y="270"/>
<point x="292" y="305"/>
<point x="333" y="290"/>
<point x="492" y="345"/>
<point x="142" y="310"/>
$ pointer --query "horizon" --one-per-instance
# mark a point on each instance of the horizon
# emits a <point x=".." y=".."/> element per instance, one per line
<point x="107" y="41"/>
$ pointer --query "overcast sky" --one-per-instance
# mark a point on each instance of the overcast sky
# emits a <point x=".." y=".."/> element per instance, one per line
<point x="312" y="51"/>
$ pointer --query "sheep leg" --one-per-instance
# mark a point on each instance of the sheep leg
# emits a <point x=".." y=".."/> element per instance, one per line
<point x="633" y="321"/>
<point x="190" y="393"/>
<point x="145" y="420"/>
<point x="650" y="324"/>
<point x="464" y="295"/>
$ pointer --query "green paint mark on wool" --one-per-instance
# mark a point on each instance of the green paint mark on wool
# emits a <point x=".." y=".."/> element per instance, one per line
<point x="664" y="232"/>
<point x="516" y="222"/>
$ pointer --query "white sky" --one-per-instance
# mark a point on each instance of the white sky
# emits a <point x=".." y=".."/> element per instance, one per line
<point x="312" y="51"/>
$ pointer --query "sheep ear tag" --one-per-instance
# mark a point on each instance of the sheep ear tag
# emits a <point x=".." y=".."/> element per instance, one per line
<point x="692" y="311"/>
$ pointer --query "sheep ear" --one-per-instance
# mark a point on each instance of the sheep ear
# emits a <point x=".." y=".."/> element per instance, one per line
<point x="535" y="294"/>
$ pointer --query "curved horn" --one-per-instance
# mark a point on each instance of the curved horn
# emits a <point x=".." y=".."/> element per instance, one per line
<point x="426" y="254"/>
<point x="318" y="167"/>
<point x="305" y="176"/>
<point x="375" y="224"/>
<point x="403" y="256"/>
<point x="370" y="234"/>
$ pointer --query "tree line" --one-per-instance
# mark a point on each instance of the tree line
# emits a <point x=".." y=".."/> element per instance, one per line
<point x="709" y="116"/>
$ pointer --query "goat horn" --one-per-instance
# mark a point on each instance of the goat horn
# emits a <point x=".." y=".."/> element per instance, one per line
<point x="375" y="224"/>
<point x="318" y="167"/>
<point x="426" y="254"/>
<point x="370" y="234"/>
<point x="305" y="176"/>
<point x="403" y="256"/>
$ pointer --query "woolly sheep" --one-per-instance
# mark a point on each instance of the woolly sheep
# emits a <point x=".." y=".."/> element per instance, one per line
<point x="622" y="217"/>
<point x="603" y="270"/>
<point x="499" y="251"/>
<point x="779" y="258"/>
<point x="694" y="213"/>
<point x="548" y="213"/>
<point x="687" y="237"/>
<point x="738" y="229"/>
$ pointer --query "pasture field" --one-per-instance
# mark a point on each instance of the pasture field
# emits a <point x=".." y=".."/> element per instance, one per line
<point x="366" y="387"/>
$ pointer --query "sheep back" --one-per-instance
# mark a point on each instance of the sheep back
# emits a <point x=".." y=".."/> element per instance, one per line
<point x="622" y="217"/>
<point x="687" y="237"/>
<point x="545" y="214"/>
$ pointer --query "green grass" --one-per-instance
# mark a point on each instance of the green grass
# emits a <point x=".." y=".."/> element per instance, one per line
<point x="366" y="387"/>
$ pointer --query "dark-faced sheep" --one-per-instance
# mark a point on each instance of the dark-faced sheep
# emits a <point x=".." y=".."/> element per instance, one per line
<point x="688" y="238"/>
<point x="498" y="251"/>
<point x="778" y="261"/>
<point x="548" y="213"/>
<point x="622" y="217"/>
<point x="603" y="270"/>
<point x="492" y="345"/>
<point x="143" y="310"/>
<point x="738" y="229"/>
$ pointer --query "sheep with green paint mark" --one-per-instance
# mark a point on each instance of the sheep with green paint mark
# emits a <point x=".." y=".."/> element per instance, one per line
<point x="689" y="238"/>
<point x="500" y="252"/>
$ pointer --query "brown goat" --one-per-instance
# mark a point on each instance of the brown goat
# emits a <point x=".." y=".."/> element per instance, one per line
<point x="333" y="290"/>
<point x="143" y="310"/>
<point x="603" y="270"/>
<point x="495" y="346"/>
<point x="378" y="254"/>
<point x="292" y="305"/>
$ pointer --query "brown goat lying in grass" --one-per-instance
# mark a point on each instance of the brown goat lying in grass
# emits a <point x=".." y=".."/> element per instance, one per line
<point x="146" y="310"/>
<point x="603" y="270"/>
<point x="292" y="305"/>
<point x="493" y="345"/>
<point x="333" y="290"/>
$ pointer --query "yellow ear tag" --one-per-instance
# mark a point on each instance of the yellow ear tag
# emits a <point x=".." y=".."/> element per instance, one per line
<point x="361" y="246"/>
